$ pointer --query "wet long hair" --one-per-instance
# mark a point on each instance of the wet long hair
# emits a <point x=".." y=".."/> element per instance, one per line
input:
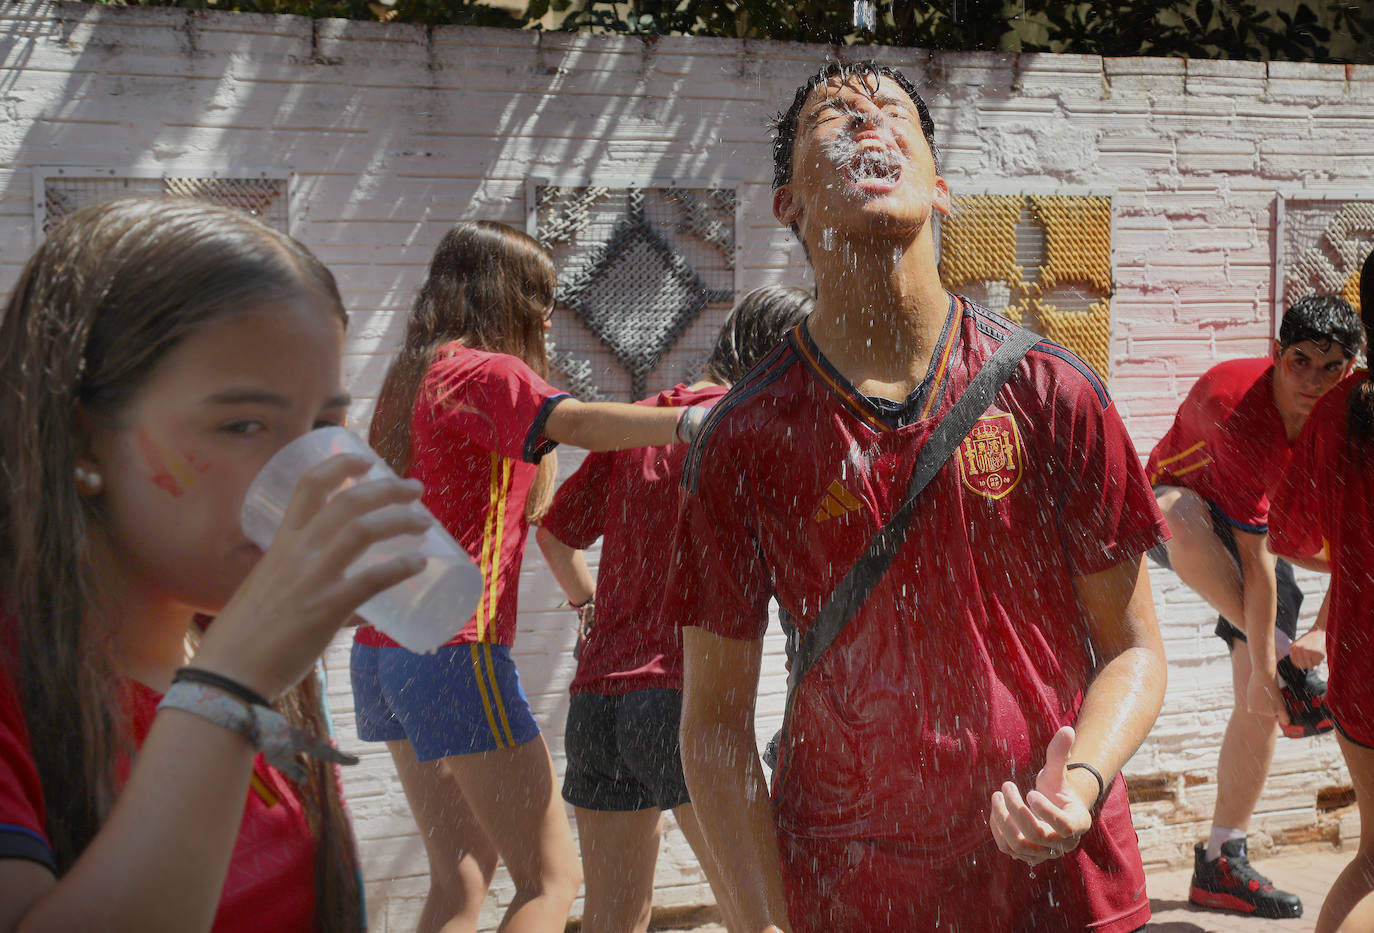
<point x="754" y="327"/>
<point x="108" y="294"/>
<point x="1360" y="403"/>
<point x="489" y="287"/>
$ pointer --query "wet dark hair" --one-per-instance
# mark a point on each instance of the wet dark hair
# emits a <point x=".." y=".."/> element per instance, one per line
<point x="1359" y="417"/>
<point x="1323" y="320"/>
<point x="870" y="73"/>
<point x="755" y="326"/>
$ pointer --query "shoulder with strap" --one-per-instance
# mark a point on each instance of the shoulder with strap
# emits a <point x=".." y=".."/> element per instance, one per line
<point x="854" y="589"/>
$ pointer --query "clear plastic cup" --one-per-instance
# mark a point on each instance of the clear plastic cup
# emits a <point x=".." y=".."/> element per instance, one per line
<point x="422" y="612"/>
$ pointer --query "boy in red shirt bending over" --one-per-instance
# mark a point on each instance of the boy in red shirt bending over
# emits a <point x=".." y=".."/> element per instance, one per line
<point x="951" y="761"/>
<point x="1213" y="475"/>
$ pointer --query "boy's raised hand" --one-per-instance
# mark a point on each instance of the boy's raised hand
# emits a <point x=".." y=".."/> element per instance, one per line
<point x="1049" y="820"/>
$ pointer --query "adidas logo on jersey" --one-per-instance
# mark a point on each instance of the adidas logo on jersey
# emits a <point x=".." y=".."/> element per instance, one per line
<point x="837" y="501"/>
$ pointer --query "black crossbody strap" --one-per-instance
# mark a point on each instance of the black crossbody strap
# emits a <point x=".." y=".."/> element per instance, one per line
<point x="849" y="596"/>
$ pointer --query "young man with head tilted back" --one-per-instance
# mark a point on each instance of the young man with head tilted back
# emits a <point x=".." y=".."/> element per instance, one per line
<point x="951" y="760"/>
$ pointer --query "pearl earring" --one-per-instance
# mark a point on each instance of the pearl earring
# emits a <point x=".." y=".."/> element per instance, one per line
<point x="89" y="481"/>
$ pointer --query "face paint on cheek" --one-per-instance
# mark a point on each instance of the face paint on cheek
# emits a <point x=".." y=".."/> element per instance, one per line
<point x="195" y="461"/>
<point x="168" y="470"/>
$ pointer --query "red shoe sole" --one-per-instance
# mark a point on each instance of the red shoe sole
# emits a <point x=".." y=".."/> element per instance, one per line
<point x="1302" y="732"/>
<point x="1216" y="899"/>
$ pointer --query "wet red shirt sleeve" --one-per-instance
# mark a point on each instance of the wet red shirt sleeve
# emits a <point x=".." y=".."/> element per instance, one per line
<point x="577" y="516"/>
<point x="718" y="580"/>
<point x="1106" y="506"/>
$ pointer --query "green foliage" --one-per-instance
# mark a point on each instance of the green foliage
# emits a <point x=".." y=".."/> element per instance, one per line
<point x="435" y="12"/>
<point x="1186" y="29"/>
<point x="1238" y="29"/>
<point x="1180" y="28"/>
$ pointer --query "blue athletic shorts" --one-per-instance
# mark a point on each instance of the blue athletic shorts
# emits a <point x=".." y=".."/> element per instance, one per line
<point x="460" y="700"/>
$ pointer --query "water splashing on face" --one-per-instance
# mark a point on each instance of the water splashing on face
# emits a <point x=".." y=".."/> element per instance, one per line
<point x="873" y="160"/>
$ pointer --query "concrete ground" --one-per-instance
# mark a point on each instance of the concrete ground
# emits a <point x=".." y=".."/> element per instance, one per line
<point x="1307" y="874"/>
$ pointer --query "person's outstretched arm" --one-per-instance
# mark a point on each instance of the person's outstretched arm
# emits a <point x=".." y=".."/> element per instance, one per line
<point x="613" y="425"/>
<point x="720" y="761"/>
<point x="1118" y="710"/>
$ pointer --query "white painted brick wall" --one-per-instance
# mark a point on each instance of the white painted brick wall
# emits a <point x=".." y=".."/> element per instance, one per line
<point x="394" y="132"/>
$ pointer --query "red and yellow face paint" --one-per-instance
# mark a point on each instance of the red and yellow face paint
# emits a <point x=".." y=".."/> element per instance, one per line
<point x="172" y="471"/>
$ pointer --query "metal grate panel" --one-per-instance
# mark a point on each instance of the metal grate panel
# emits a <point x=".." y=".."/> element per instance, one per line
<point x="1322" y="244"/>
<point x="646" y="276"/>
<point x="65" y="190"/>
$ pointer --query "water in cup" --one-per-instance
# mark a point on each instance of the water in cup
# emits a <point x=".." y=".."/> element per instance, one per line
<point x="421" y="612"/>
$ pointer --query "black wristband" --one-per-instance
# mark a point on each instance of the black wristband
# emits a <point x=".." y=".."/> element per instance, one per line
<point x="1101" y="785"/>
<point x="235" y="689"/>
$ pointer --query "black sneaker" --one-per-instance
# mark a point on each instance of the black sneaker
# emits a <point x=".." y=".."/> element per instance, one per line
<point x="1231" y="883"/>
<point x="1304" y="697"/>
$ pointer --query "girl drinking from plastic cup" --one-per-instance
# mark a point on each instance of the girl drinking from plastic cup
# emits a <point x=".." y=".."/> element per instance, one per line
<point x="153" y="356"/>
<point x="466" y="410"/>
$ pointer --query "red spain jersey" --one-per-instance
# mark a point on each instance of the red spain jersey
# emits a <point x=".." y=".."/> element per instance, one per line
<point x="1327" y="498"/>
<point x="629" y="498"/>
<point x="969" y="653"/>
<point x="271" y="880"/>
<point x="476" y="436"/>
<point x="1227" y="443"/>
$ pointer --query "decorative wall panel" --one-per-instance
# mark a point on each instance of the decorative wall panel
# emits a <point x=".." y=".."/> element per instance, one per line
<point x="1043" y="260"/>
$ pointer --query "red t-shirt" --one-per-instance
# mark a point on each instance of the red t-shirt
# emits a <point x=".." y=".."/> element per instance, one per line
<point x="1227" y="443"/>
<point x="970" y="652"/>
<point x="271" y="879"/>
<point x="1327" y="497"/>
<point x="476" y="436"/>
<point x="630" y="497"/>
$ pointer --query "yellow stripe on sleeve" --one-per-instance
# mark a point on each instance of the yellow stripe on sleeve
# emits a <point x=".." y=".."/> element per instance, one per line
<point x="1179" y="456"/>
<point x="1191" y="467"/>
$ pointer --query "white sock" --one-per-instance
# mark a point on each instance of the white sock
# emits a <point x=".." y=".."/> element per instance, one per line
<point x="1281" y="644"/>
<point x="1221" y="835"/>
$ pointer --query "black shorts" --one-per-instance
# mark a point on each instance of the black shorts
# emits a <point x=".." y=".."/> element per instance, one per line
<point x="1290" y="597"/>
<point x="623" y="752"/>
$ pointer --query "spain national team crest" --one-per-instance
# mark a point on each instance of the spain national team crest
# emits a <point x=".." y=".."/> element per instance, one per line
<point x="990" y="456"/>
